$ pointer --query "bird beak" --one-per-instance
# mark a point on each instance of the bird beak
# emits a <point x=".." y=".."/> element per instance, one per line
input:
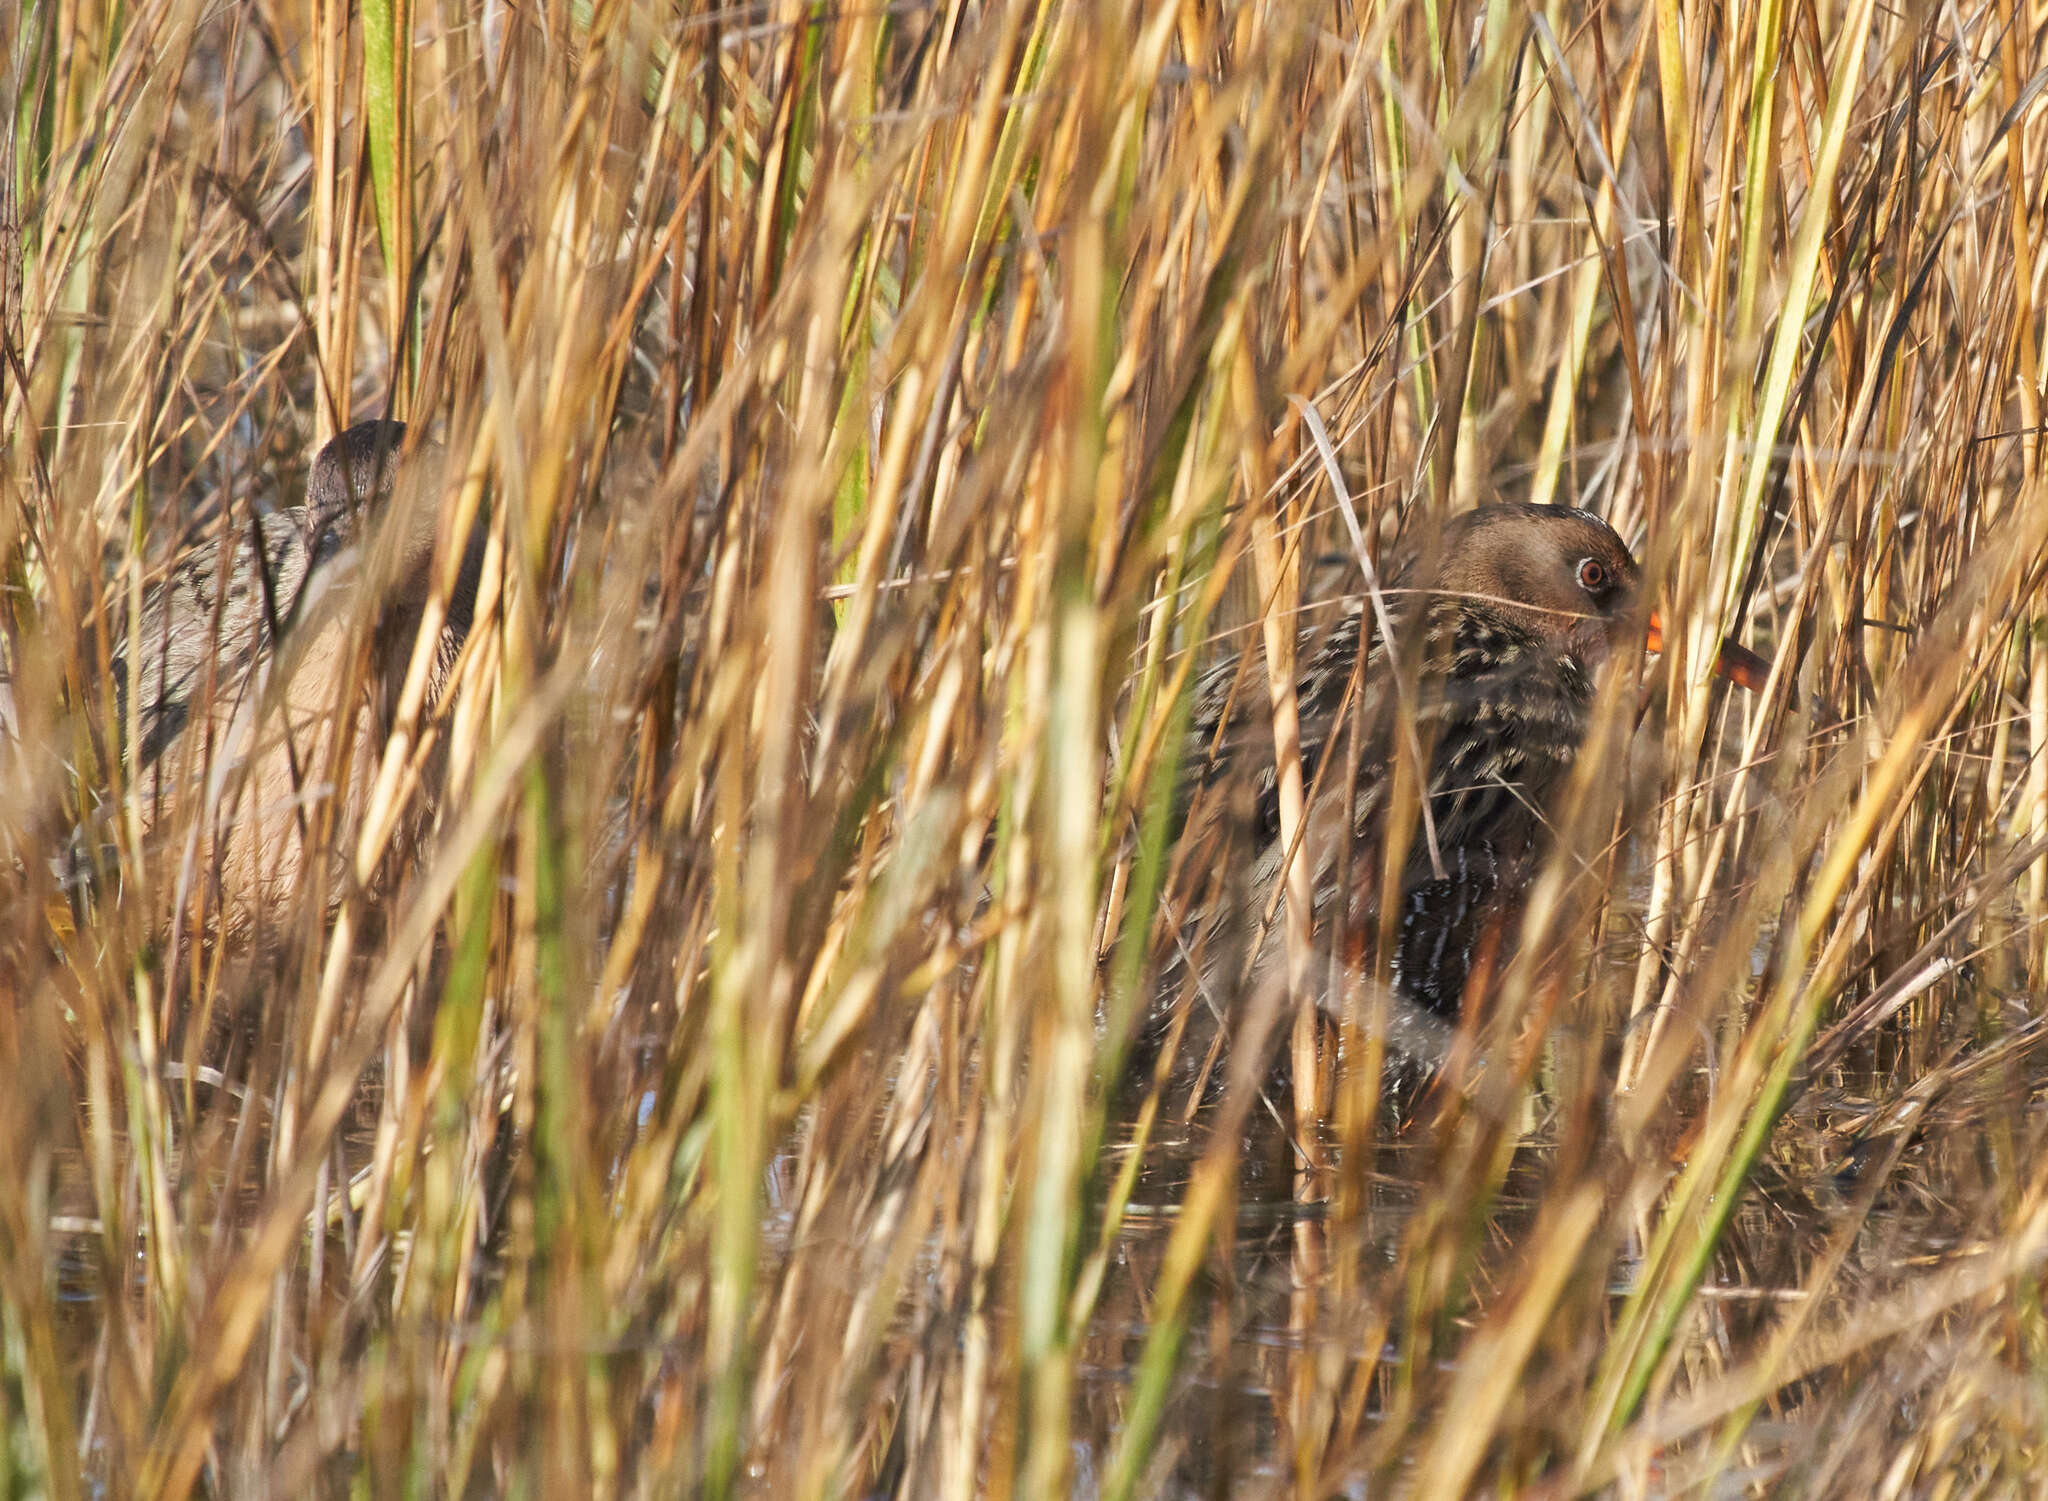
<point x="1734" y="662"/>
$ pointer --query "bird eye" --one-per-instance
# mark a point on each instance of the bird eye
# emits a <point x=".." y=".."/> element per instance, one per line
<point x="1594" y="576"/>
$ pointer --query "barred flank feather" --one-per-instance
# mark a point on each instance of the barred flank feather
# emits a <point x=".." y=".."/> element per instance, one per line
<point x="1517" y="607"/>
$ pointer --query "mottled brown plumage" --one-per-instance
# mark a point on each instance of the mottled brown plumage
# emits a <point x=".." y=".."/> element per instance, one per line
<point x="1509" y="615"/>
<point x="244" y="661"/>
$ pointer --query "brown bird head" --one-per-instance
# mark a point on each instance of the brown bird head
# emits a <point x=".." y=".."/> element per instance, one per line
<point x="1516" y="580"/>
<point x="368" y="485"/>
<point x="357" y="479"/>
<point x="1550" y="586"/>
<point x="351" y="476"/>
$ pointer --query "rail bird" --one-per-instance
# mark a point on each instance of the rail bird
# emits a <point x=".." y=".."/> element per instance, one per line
<point x="1506" y="618"/>
<point x="247" y="648"/>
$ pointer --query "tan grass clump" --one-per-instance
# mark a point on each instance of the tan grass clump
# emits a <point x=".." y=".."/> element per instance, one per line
<point x="877" y="415"/>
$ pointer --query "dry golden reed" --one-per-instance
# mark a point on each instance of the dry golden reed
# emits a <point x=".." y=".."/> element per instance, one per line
<point x="702" y="1057"/>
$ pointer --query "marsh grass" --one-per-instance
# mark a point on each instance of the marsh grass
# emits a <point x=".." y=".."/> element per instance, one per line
<point x="702" y="1067"/>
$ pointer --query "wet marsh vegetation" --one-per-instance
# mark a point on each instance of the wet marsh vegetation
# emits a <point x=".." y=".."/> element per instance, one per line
<point x="734" y="1031"/>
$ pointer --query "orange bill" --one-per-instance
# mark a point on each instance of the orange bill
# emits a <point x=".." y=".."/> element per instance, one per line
<point x="1735" y="662"/>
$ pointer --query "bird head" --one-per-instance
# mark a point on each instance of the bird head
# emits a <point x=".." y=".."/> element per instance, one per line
<point x="350" y="480"/>
<point x="1552" y="580"/>
<point x="367" y="486"/>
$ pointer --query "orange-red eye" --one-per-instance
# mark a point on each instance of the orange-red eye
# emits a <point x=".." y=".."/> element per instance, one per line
<point x="1593" y="576"/>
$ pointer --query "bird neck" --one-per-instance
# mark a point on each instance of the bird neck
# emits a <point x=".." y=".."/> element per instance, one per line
<point x="1511" y="710"/>
<point x="1485" y="649"/>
